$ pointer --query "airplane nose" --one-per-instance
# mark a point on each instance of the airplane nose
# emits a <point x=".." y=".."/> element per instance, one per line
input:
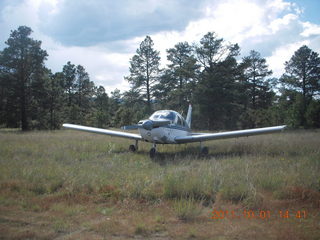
<point x="148" y="125"/>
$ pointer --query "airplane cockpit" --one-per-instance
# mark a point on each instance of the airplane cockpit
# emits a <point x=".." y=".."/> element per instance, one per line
<point x="172" y="116"/>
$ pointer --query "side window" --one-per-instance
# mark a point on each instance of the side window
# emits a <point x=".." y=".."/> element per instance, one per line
<point x="179" y="121"/>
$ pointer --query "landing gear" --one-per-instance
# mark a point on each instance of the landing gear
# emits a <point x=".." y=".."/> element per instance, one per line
<point x="153" y="151"/>
<point x="203" y="150"/>
<point x="133" y="148"/>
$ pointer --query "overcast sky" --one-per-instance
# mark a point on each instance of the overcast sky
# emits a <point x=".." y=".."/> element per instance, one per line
<point x="102" y="35"/>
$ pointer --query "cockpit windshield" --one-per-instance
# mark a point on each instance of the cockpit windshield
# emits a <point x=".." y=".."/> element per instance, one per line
<point x="163" y="115"/>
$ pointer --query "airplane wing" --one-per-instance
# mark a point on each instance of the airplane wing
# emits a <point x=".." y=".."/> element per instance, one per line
<point x="200" y="137"/>
<point x="103" y="131"/>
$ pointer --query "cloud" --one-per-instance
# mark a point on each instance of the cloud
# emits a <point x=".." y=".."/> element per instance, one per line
<point x="260" y="25"/>
<point x="104" y="67"/>
<point x="85" y="23"/>
<point x="310" y="29"/>
<point x="102" y="35"/>
<point x="274" y="28"/>
<point x="14" y="14"/>
<point x="281" y="54"/>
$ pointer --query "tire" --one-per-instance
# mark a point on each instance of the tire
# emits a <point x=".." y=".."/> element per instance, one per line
<point x="132" y="148"/>
<point x="152" y="152"/>
<point x="204" y="151"/>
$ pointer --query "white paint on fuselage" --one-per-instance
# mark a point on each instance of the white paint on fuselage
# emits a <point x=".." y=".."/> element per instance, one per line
<point x="162" y="135"/>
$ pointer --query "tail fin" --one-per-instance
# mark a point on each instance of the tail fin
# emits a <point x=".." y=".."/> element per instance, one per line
<point x="188" y="119"/>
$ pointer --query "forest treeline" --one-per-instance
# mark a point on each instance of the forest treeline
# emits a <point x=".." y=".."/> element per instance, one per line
<point x="227" y="92"/>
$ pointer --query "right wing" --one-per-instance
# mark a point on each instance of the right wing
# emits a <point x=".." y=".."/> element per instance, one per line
<point x="103" y="131"/>
<point x="200" y="137"/>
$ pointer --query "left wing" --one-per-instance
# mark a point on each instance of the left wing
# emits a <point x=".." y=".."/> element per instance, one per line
<point x="200" y="137"/>
<point x="103" y="131"/>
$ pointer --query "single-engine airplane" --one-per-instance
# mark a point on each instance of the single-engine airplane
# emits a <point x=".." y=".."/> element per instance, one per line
<point x="169" y="127"/>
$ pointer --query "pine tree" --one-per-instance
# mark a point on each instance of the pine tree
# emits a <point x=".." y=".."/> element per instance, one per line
<point x="56" y="102"/>
<point x="144" y="69"/>
<point x="178" y="81"/>
<point x="102" y="117"/>
<point x="257" y="86"/>
<point x="22" y="62"/>
<point x="302" y="75"/>
<point x="9" y="104"/>
<point x="257" y="95"/>
<point x="216" y="91"/>
<point x="84" y="91"/>
<point x="114" y="104"/>
<point x="69" y="76"/>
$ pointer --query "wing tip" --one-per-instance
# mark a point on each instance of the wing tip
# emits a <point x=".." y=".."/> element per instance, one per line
<point x="67" y="125"/>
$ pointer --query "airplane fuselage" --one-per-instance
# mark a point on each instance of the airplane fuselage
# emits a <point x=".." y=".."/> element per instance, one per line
<point x="164" y="135"/>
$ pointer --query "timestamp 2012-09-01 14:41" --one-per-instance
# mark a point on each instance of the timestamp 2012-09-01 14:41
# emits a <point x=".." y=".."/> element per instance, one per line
<point x="258" y="214"/>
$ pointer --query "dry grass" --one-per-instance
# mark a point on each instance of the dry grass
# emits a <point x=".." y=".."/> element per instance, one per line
<point x="76" y="185"/>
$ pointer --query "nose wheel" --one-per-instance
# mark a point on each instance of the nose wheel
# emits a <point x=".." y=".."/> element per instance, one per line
<point x="153" y="151"/>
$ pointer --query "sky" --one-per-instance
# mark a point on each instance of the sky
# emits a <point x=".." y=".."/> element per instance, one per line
<point x="103" y="35"/>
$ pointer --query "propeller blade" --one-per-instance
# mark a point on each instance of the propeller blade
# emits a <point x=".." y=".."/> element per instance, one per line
<point x="160" y="123"/>
<point x="132" y="127"/>
<point x="147" y="124"/>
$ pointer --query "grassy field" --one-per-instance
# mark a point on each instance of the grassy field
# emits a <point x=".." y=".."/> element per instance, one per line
<point x="74" y="185"/>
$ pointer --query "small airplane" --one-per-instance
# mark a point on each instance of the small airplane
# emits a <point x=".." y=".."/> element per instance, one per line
<point x="169" y="127"/>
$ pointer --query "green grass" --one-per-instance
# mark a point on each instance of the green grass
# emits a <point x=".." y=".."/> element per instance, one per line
<point x="40" y="163"/>
<point x="80" y="183"/>
<point x="187" y="209"/>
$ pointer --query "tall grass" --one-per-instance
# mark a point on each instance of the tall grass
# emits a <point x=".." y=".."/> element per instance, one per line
<point x="187" y="209"/>
<point x="67" y="162"/>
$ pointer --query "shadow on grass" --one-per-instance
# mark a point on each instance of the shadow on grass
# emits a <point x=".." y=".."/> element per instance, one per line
<point x="168" y="155"/>
<point x="190" y="154"/>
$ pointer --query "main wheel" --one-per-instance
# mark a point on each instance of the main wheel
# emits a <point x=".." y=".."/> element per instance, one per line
<point x="204" y="151"/>
<point x="152" y="152"/>
<point x="132" y="148"/>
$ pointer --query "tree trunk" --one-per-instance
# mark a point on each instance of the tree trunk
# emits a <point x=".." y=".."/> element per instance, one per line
<point x="23" y="107"/>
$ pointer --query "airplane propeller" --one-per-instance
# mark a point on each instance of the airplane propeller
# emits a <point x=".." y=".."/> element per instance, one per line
<point x="147" y="124"/>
